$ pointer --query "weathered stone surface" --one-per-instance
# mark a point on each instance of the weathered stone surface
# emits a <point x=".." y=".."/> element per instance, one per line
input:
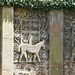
<point x="7" y="53"/>
<point x="56" y="42"/>
<point x="7" y="22"/>
<point x="7" y="41"/>
<point x="55" y="19"/>
<point x="69" y="43"/>
<point x="31" y="35"/>
<point x="7" y="72"/>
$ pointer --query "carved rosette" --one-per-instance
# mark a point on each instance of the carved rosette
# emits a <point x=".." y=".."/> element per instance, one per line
<point x="30" y="28"/>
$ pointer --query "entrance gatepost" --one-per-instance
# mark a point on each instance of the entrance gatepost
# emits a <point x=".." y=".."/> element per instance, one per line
<point x="7" y="40"/>
<point x="56" y="42"/>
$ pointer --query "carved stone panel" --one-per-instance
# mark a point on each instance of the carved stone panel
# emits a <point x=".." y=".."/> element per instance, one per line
<point x="31" y="42"/>
<point x="69" y="43"/>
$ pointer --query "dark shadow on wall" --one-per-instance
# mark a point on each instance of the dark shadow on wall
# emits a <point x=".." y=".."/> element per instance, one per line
<point x="0" y="36"/>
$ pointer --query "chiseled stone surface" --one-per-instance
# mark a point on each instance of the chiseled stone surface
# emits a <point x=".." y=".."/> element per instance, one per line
<point x="7" y="41"/>
<point x="56" y="43"/>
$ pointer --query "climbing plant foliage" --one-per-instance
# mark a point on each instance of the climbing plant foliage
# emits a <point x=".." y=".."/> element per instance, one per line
<point x="41" y="5"/>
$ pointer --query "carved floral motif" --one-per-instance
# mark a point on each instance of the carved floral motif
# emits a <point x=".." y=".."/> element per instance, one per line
<point x="69" y="41"/>
<point x="30" y="29"/>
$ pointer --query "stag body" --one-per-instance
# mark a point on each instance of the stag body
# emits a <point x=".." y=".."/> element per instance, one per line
<point x="30" y="48"/>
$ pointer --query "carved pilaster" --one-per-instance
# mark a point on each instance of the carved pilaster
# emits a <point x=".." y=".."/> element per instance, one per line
<point x="56" y="42"/>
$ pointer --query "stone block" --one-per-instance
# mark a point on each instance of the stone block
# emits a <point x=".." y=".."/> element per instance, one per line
<point x="56" y="42"/>
<point x="7" y="54"/>
<point x="7" y="72"/>
<point x="7" y="22"/>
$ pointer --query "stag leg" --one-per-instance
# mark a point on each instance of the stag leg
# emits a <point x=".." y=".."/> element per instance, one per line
<point x="21" y="57"/>
<point x="34" y="57"/>
<point x="38" y="56"/>
<point x="26" y="56"/>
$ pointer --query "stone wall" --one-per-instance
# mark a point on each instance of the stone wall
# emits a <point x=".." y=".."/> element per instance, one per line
<point x="59" y="22"/>
<point x="39" y="26"/>
<point x="0" y="39"/>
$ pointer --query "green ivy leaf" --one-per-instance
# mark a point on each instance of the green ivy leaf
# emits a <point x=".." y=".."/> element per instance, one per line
<point x="41" y="5"/>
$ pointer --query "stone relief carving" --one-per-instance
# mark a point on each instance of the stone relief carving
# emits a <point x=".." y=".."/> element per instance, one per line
<point x="73" y="55"/>
<point x="69" y="42"/>
<point x="31" y="42"/>
<point x="30" y="48"/>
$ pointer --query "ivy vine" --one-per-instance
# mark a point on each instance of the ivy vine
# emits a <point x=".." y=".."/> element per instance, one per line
<point x="41" y="5"/>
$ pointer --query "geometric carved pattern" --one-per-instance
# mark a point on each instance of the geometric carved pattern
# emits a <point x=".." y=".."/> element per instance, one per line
<point x="69" y="41"/>
<point x="30" y="27"/>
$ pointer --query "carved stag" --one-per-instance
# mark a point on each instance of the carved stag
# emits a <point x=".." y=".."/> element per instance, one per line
<point x="32" y="49"/>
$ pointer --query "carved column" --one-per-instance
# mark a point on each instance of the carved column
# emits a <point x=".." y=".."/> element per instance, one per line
<point x="7" y="40"/>
<point x="56" y="42"/>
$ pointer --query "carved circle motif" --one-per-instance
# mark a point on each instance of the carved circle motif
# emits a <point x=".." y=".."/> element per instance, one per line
<point x="35" y="38"/>
<point x="17" y="34"/>
<point x="25" y="37"/>
<point x="44" y="55"/>
<point x="44" y="35"/>
<point x="35" y="25"/>
<point x="17" y="22"/>
<point x="43" y="25"/>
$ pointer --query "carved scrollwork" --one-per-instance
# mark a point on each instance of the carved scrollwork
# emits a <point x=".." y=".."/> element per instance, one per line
<point x="44" y="56"/>
<point x="68" y="42"/>
<point x="30" y="42"/>
<point x="17" y="22"/>
<point x="15" y="47"/>
<point x="23" y="13"/>
<point x="44" y="35"/>
<point x="25" y="37"/>
<point x="35" y="25"/>
<point x="17" y="34"/>
<point x="25" y="25"/>
<point x="35" y="38"/>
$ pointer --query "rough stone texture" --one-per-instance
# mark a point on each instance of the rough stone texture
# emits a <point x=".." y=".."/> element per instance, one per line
<point x="56" y="43"/>
<point x="0" y="36"/>
<point x="69" y="43"/>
